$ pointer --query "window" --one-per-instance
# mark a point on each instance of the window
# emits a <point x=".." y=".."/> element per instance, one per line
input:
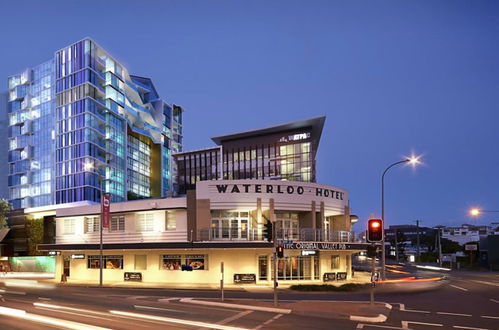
<point x="171" y="220"/>
<point x="140" y="262"/>
<point x="262" y="268"/>
<point x="92" y="224"/>
<point x="176" y="261"/>
<point x="172" y="262"/>
<point x="117" y="223"/>
<point x="197" y="262"/>
<point x="145" y="222"/>
<point x="110" y="262"/>
<point x="335" y="262"/>
<point x="69" y="226"/>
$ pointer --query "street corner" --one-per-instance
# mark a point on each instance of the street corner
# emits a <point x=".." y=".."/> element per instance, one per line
<point x="359" y="311"/>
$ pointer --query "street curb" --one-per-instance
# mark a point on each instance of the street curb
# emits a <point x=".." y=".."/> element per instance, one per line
<point x="372" y="319"/>
<point x="236" y="306"/>
<point x="376" y="319"/>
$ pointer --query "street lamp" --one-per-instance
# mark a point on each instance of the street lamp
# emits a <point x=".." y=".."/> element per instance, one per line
<point x="413" y="160"/>
<point x="476" y="211"/>
<point x="89" y="166"/>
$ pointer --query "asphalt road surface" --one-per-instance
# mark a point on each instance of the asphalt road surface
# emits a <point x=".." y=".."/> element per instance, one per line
<point x="464" y="301"/>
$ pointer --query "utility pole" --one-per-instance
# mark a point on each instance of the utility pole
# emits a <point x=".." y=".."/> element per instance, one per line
<point x="440" y="248"/>
<point x="417" y="243"/>
<point x="396" y="246"/>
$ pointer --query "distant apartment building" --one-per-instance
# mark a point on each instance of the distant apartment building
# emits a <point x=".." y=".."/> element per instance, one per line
<point x="466" y="233"/>
<point x="80" y="121"/>
<point x="409" y="232"/>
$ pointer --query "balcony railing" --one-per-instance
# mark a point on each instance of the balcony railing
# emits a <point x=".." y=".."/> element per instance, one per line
<point x="252" y="234"/>
<point x="228" y="233"/>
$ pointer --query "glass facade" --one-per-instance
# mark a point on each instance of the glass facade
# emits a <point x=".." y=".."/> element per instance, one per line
<point x="286" y="152"/>
<point x="31" y="132"/>
<point x="84" y="107"/>
<point x="197" y="166"/>
<point x="276" y="161"/>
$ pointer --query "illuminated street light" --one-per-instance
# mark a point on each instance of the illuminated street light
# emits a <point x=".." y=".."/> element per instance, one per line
<point x="413" y="160"/>
<point x="476" y="212"/>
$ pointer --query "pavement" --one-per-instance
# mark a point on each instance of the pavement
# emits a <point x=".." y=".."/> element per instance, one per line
<point x="359" y="278"/>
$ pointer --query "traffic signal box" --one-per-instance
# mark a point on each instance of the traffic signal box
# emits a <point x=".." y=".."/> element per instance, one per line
<point x="267" y="232"/>
<point x="375" y="230"/>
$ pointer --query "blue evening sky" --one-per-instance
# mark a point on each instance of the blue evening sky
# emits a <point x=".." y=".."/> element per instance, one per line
<point x="393" y="77"/>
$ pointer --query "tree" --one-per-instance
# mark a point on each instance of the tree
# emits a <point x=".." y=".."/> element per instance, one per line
<point x="449" y="246"/>
<point x="5" y="208"/>
<point x="34" y="230"/>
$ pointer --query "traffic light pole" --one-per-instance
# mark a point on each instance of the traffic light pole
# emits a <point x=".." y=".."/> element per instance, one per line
<point x="373" y="274"/>
<point x="274" y="240"/>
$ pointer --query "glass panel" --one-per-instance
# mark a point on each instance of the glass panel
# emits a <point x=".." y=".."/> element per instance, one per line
<point x="225" y="228"/>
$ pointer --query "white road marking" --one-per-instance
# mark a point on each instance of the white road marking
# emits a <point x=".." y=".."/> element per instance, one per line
<point x="167" y="300"/>
<point x="74" y="313"/>
<point x="405" y="324"/>
<point x="159" y="309"/>
<point x="458" y="287"/>
<point x="470" y="328"/>
<point x="73" y="309"/>
<point x="135" y="297"/>
<point x="490" y="317"/>
<point x="272" y="319"/>
<point x="496" y="301"/>
<point x="402" y="309"/>
<point x="175" y="320"/>
<point x="13" y="292"/>
<point x="237" y="306"/>
<point x="234" y="317"/>
<point x="41" y="298"/>
<point x="485" y="282"/>
<point x="456" y="314"/>
<point x="19" y="313"/>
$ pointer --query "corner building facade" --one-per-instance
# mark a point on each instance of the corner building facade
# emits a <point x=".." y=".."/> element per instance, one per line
<point x="161" y="240"/>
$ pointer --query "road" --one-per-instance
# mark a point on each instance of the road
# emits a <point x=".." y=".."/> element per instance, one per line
<point x="465" y="301"/>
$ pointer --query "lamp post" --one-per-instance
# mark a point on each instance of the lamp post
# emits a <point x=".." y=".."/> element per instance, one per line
<point x="413" y="160"/>
<point x="89" y="167"/>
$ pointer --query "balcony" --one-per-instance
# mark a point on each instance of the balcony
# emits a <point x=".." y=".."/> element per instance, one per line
<point x="251" y="234"/>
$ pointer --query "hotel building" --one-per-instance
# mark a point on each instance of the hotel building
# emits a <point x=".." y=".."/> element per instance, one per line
<point x="83" y="107"/>
<point x="227" y="195"/>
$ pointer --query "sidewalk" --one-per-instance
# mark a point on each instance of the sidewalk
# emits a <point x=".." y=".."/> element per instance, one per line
<point x="359" y="278"/>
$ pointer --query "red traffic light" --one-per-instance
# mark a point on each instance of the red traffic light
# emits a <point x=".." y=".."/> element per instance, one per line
<point x="375" y="230"/>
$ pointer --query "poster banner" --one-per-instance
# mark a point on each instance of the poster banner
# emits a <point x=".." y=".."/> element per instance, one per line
<point x="106" y="207"/>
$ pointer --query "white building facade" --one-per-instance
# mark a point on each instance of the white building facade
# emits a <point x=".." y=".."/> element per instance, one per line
<point x="184" y="240"/>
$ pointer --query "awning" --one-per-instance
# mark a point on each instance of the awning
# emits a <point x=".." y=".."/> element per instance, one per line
<point x="3" y="233"/>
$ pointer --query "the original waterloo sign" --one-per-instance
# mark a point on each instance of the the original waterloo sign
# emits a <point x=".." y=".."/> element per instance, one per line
<point x="244" y="278"/>
<point x="325" y="246"/>
<point x="278" y="189"/>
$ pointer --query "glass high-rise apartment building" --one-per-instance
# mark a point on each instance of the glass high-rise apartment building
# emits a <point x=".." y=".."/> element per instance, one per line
<point x="84" y="107"/>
